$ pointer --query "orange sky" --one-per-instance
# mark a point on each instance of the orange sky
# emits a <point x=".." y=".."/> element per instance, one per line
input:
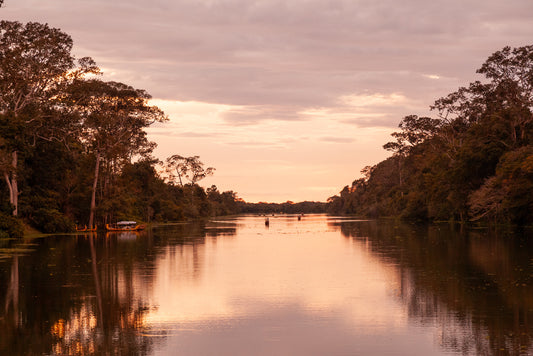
<point x="288" y="100"/>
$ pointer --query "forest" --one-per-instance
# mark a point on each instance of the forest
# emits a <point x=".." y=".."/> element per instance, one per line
<point x="472" y="162"/>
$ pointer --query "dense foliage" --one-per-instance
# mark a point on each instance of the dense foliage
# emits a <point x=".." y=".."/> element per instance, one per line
<point x="473" y="162"/>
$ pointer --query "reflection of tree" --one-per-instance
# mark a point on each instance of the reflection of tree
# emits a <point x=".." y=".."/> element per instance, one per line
<point x="476" y="286"/>
<point x="108" y="322"/>
<point x="88" y="295"/>
<point x="12" y="291"/>
<point x="59" y="308"/>
<point x="10" y="321"/>
<point x="96" y="278"/>
<point x="215" y="229"/>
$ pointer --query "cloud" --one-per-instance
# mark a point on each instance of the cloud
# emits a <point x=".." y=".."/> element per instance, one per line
<point x="335" y="139"/>
<point x="259" y="144"/>
<point x="191" y="134"/>
<point x="365" y="109"/>
<point x="277" y="57"/>
<point x="252" y="114"/>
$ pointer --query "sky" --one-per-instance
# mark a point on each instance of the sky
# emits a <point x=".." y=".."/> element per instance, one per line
<point x="287" y="99"/>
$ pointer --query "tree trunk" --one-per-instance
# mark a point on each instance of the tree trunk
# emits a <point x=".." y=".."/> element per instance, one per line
<point x="93" y="198"/>
<point x="8" y="182"/>
<point x="14" y="184"/>
<point x="400" y="170"/>
<point x="11" y="181"/>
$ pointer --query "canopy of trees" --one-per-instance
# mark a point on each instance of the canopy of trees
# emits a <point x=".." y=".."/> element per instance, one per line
<point x="474" y="161"/>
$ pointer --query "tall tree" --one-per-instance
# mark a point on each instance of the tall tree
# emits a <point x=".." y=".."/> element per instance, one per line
<point x="189" y="167"/>
<point x="507" y="97"/>
<point x="415" y="130"/>
<point x="35" y="63"/>
<point x="113" y="119"/>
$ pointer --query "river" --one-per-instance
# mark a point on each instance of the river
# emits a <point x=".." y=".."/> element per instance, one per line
<point x="322" y="285"/>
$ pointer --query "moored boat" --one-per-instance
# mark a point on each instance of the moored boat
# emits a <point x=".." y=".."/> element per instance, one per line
<point x="85" y="228"/>
<point x="124" y="226"/>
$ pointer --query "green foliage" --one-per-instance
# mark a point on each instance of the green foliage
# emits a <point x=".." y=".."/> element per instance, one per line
<point x="415" y="207"/>
<point x="51" y="221"/>
<point x="507" y="194"/>
<point x="10" y="226"/>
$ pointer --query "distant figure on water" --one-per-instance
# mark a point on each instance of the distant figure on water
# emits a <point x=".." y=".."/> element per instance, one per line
<point x="267" y="222"/>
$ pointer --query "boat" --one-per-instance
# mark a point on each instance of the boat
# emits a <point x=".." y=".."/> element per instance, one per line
<point x="85" y="229"/>
<point x="124" y="226"/>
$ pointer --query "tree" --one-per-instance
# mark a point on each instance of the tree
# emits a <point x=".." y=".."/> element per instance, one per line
<point x="189" y="167"/>
<point x="35" y="63"/>
<point x="415" y="130"/>
<point x="507" y="193"/>
<point x="508" y="96"/>
<point x="511" y="75"/>
<point x="113" y="117"/>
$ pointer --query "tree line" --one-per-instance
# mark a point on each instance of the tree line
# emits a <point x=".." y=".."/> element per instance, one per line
<point x="472" y="162"/>
<point x="74" y="149"/>
<point x="288" y="207"/>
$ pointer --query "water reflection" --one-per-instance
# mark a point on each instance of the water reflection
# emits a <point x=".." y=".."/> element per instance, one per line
<point x="315" y="285"/>
<point x="475" y="285"/>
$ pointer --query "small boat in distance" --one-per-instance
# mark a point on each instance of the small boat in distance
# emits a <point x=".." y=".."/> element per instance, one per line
<point x="124" y="226"/>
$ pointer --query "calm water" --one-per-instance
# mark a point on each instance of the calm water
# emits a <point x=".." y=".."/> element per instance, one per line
<point x="319" y="286"/>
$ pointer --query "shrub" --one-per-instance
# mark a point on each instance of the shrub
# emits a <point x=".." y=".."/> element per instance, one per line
<point x="51" y="221"/>
<point x="10" y="226"/>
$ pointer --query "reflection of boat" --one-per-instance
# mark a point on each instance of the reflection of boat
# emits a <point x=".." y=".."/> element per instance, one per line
<point x="124" y="226"/>
<point x="123" y="235"/>
<point x="85" y="228"/>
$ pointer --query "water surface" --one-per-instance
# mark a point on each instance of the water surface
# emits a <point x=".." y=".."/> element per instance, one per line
<point x="319" y="286"/>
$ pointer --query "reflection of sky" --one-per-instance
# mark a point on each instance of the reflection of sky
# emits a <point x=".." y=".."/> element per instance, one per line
<point x="293" y="287"/>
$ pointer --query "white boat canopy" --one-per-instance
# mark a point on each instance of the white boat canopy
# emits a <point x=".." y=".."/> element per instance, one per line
<point x="127" y="223"/>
